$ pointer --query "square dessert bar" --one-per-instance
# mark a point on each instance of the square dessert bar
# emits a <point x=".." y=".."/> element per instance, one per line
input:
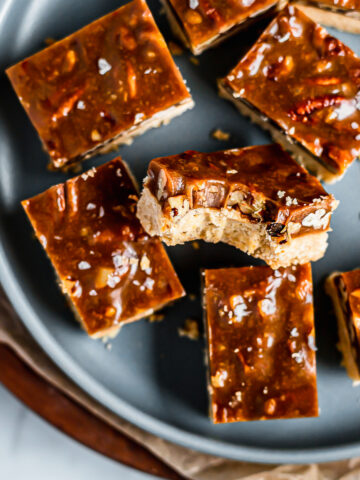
<point x="343" y="14"/>
<point x="256" y="198"/>
<point x="344" y="290"/>
<point x="303" y="86"/>
<point x="202" y="24"/>
<point x="103" y="85"/>
<point x="108" y="267"/>
<point x="261" y="344"/>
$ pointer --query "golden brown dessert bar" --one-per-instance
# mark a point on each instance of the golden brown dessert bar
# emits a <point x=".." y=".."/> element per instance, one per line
<point x="302" y="85"/>
<point x="256" y="198"/>
<point x="95" y="88"/>
<point x="109" y="268"/>
<point x="261" y="344"/>
<point x="344" y="290"/>
<point x="202" y="24"/>
<point x="343" y="15"/>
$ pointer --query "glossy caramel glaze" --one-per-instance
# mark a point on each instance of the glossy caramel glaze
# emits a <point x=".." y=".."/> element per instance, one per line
<point x="349" y="283"/>
<point x="204" y="20"/>
<point x="98" y="83"/>
<point x="273" y="188"/>
<point x="260" y="327"/>
<point x="111" y="270"/>
<point x="308" y="83"/>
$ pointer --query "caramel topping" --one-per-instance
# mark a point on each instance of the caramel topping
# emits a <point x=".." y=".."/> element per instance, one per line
<point x="204" y="20"/>
<point x="263" y="183"/>
<point x="111" y="270"/>
<point x="308" y="83"/>
<point x="351" y="283"/>
<point x="260" y="327"/>
<point x="98" y="83"/>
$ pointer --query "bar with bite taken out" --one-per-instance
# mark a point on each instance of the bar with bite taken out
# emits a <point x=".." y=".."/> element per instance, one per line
<point x="257" y="199"/>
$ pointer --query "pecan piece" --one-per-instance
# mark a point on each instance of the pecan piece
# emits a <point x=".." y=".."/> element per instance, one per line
<point x="209" y="10"/>
<point x="282" y="67"/>
<point x="192" y="17"/>
<point x="67" y="105"/>
<point x="333" y="46"/>
<point x="131" y="77"/>
<point x="275" y="229"/>
<point x="323" y="81"/>
<point x="305" y="108"/>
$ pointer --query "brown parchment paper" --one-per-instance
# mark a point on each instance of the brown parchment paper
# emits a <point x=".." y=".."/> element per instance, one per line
<point x="189" y="463"/>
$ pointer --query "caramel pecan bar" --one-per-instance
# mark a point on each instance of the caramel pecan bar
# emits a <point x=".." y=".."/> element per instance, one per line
<point x="302" y="85"/>
<point x="261" y="344"/>
<point x="256" y="198"/>
<point x="107" y="266"/>
<point x="95" y="88"/>
<point x="341" y="14"/>
<point x="202" y="24"/>
<point x="344" y="290"/>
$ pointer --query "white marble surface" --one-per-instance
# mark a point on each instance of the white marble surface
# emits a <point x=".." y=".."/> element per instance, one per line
<point x="32" y="449"/>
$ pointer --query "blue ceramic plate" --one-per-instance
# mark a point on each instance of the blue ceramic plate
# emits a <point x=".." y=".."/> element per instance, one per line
<point x="152" y="377"/>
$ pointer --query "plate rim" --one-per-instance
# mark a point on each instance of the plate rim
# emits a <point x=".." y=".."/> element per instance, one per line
<point x="64" y="361"/>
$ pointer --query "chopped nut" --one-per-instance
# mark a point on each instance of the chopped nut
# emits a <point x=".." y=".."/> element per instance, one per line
<point x="190" y="329"/>
<point x="95" y="136"/>
<point x="66" y="106"/>
<point x="194" y="60"/>
<point x="162" y="180"/>
<point x="305" y="108"/>
<point x="219" y="134"/>
<point x="70" y="60"/>
<point x="102" y="276"/>
<point x="110" y="312"/>
<point x="131" y="79"/>
<point x="192" y="17"/>
<point x="127" y="39"/>
<point x="323" y="81"/>
<point x="175" y="49"/>
<point x="49" y="41"/>
<point x="156" y="317"/>
<point x="270" y="406"/>
<point x="218" y="380"/>
<point x="276" y="229"/>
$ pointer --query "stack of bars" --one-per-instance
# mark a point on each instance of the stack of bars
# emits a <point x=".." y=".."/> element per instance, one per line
<point x="83" y="96"/>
